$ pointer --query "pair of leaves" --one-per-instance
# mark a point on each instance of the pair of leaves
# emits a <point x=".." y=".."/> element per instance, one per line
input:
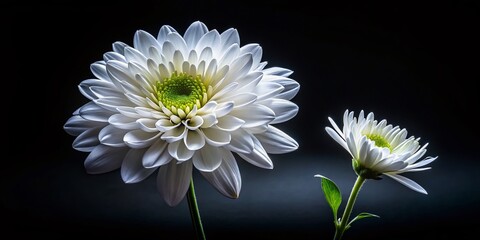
<point x="334" y="199"/>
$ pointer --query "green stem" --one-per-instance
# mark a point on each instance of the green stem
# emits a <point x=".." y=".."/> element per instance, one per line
<point x="194" y="212"/>
<point x="340" y="229"/>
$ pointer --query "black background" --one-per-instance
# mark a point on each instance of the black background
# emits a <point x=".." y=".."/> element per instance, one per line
<point x="414" y="64"/>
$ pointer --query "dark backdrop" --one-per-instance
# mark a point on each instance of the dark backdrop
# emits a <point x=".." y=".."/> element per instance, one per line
<point x="414" y="64"/>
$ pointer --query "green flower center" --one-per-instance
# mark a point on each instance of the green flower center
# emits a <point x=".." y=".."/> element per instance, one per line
<point x="181" y="91"/>
<point x="379" y="140"/>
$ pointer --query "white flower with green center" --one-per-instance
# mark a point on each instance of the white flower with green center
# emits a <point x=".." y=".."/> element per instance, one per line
<point x="378" y="148"/>
<point x="176" y="102"/>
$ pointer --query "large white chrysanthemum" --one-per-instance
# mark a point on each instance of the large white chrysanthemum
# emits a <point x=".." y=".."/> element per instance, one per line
<point x="378" y="148"/>
<point x="176" y="102"/>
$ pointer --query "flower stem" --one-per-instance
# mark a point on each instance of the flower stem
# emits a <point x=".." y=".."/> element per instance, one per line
<point x="194" y="212"/>
<point x="340" y="229"/>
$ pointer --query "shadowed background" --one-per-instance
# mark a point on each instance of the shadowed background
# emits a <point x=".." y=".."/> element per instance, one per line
<point x="412" y="64"/>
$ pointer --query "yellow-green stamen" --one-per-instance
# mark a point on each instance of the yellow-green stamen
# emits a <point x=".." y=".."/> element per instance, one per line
<point x="379" y="140"/>
<point x="181" y="91"/>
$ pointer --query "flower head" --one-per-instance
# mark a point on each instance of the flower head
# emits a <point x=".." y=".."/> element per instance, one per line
<point x="378" y="148"/>
<point x="176" y="102"/>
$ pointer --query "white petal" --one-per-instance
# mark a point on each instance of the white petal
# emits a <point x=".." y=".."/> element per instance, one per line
<point x="278" y="71"/>
<point x="173" y="181"/>
<point x="265" y="90"/>
<point x="143" y="41"/>
<point x="243" y="99"/>
<point x="113" y="56"/>
<point x="164" y="72"/>
<point x="352" y="146"/>
<point x="207" y="159"/>
<point x="75" y="125"/>
<point x="219" y="75"/>
<point x="168" y="49"/>
<point x="207" y="108"/>
<point x="374" y="155"/>
<point x="254" y="115"/>
<point x="251" y="78"/>
<point x="258" y="129"/>
<point x="164" y="31"/>
<point x="216" y="137"/>
<point x="229" y="55"/>
<point x="284" y="110"/>
<point x="226" y="178"/>
<point x="132" y="170"/>
<point x="178" y="42"/>
<point x="179" y="151"/>
<point x="175" y="134"/>
<point x="148" y="113"/>
<point x="178" y="60"/>
<point x="210" y="71"/>
<point x="239" y="68"/>
<point x="140" y="138"/>
<point x="112" y="136"/>
<point x="123" y="122"/>
<point x="147" y="124"/>
<point x="156" y="155"/>
<point x="337" y="138"/>
<point x="84" y="87"/>
<point x="129" y="112"/>
<point x="133" y="55"/>
<point x="93" y="112"/>
<point x="364" y="150"/>
<point x="229" y="37"/>
<point x="422" y="163"/>
<point x="141" y="74"/>
<point x="209" y="120"/>
<point x="291" y="87"/>
<point x="165" y="125"/>
<point x="193" y="123"/>
<point x="249" y="82"/>
<point x="258" y="156"/>
<point x="137" y="100"/>
<point x="101" y="92"/>
<point x="104" y="159"/>
<point x="119" y="46"/>
<point x="193" y="33"/>
<point x="119" y="73"/>
<point x="335" y="126"/>
<point x="193" y="59"/>
<point x="210" y="39"/>
<point x="99" y="70"/>
<point x="87" y="141"/>
<point x="390" y="167"/>
<point x="417" y="155"/>
<point x="275" y="141"/>
<point x="223" y="109"/>
<point x="241" y="142"/>
<point x="229" y="123"/>
<point x="408" y="182"/>
<point x="255" y="50"/>
<point x="112" y="103"/>
<point x="205" y="57"/>
<point x="194" y="140"/>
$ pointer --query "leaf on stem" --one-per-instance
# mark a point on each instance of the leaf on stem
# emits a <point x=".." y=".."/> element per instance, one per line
<point x="332" y="194"/>
<point x="362" y="215"/>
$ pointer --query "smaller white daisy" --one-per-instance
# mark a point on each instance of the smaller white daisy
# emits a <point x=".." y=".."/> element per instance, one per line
<point x="378" y="148"/>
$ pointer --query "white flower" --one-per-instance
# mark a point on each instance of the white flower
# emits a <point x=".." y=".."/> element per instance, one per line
<point x="378" y="148"/>
<point x="176" y="102"/>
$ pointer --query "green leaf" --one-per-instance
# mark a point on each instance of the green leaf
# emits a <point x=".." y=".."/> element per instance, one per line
<point x="332" y="194"/>
<point x="362" y="215"/>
